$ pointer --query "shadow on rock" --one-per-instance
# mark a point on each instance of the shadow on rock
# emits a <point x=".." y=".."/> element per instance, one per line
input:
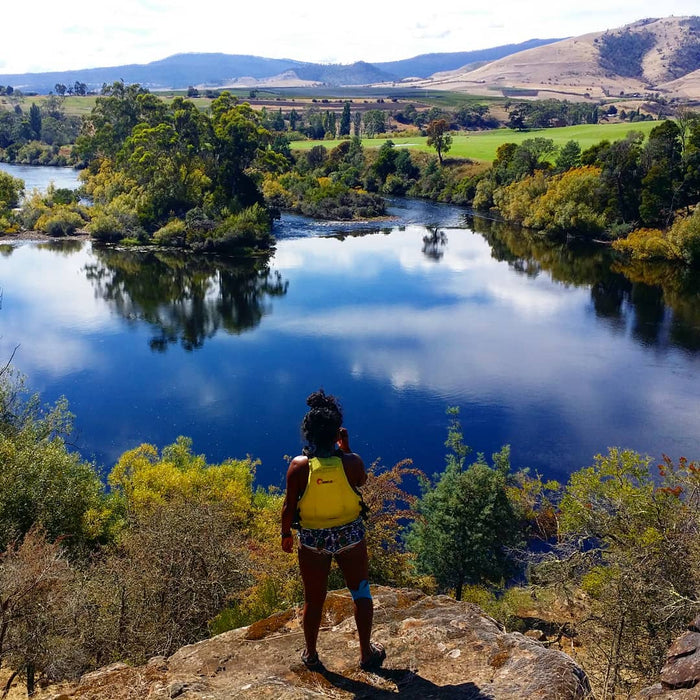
<point x="406" y="684"/>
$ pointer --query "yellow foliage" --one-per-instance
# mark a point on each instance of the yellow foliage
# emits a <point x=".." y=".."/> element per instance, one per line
<point x="517" y="201"/>
<point x="595" y="581"/>
<point x="648" y="244"/>
<point x="147" y="480"/>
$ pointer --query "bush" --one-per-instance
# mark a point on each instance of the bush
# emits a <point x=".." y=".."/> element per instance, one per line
<point x="647" y="244"/>
<point x="115" y="221"/>
<point x="573" y="203"/>
<point x="11" y="189"/>
<point x="172" y="234"/>
<point x="105" y="227"/>
<point x="60" y="221"/>
<point x="684" y="237"/>
<point x="483" y="197"/>
<point x="249" y="228"/>
<point x="517" y="201"/>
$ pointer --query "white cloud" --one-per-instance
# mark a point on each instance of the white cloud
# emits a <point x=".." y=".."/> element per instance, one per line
<point x="82" y="33"/>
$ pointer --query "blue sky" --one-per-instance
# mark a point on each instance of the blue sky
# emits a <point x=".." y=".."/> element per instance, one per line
<point x="76" y="34"/>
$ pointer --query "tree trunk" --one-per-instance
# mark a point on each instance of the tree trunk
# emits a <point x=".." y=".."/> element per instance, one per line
<point x="8" y="685"/>
<point x="458" y="589"/>
<point x="30" y="679"/>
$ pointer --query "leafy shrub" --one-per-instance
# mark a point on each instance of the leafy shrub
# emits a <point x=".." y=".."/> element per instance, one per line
<point x="8" y="224"/>
<point x="647" y="244"/>
<point x="250" y="228"/>
<point x="483" y="197"/>
<point x="115" y="221"/>
<point x="684" y="237"/>
<point x="173" y="233"/>
<point x="11" y="189"/>
<point x="105" y="227"/>
<point x="60" y="221"/>
<point x="516" y="201"/>
<point x="573" y="203"/>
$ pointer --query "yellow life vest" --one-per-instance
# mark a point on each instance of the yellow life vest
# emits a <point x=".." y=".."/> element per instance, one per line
<point x="328" y="499"/>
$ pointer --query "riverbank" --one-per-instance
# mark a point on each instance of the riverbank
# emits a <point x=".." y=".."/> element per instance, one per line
<point x="40" y="236"/>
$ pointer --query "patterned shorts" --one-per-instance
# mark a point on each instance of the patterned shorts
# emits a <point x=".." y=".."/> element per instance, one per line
<point x="331" y="540"/>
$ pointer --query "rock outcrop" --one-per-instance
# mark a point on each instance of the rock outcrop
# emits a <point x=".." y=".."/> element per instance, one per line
<point x="680" y="676"/>
<point x="437" y="648"/>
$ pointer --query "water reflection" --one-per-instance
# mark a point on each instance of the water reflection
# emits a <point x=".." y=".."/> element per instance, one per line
<point x="660" y="303"/>
<point x="64" y="248"/>
<point x="185" y="298"/>
<point x="434" y="243"/>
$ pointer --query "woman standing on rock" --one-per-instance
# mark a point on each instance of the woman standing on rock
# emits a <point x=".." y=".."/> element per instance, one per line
<point x="323" y="502"/>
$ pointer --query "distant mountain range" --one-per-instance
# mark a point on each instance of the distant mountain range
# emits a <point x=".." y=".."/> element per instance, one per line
<point x="649" y="56"/>
<point x="222" y="70"/>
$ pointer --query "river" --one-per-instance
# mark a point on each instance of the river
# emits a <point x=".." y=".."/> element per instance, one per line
<point x="39" y="176"/>
<point x="553" y="352"/>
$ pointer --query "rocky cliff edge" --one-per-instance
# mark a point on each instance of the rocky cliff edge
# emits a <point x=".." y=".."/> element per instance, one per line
<point x="437" y="648"/>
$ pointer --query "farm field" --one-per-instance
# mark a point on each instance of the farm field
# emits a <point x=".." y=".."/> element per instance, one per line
<point x="482" y="145"/>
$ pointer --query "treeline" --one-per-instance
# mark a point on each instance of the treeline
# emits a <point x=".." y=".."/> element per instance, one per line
<point x="37" y="136"/>
<point x="178" y="549"/>
<point x="173" y="175"/>
<point x="643" y="196"/>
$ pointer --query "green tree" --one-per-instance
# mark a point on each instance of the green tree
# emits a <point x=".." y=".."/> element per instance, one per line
<point x="35" y="121"/>
<point x="465" y="520"/>
<point x="356" y="124"/>
<point x="120" y="108"/>
<point x="662" y="184"/>
<point x="11" y="190"/>
<point x="385" y="164"/>
<point x="374" y="122"/>
<point x="569" y="156"/>
<point x="238" y="139"/>
<point x="439" y="137"/>
<point x="293" y="119"/>
<point x="344" y="129"/>
<point x="42" y="482"/>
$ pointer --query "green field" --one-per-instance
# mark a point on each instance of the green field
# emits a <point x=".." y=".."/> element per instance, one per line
<point x="482" y="145"/>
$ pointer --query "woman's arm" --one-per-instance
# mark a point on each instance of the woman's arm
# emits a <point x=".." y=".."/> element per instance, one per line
<point x="354" y="469"/>
<point x="297" y="467"/>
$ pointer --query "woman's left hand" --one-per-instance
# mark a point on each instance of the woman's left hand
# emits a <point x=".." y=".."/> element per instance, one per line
<point x="343" y="440"/>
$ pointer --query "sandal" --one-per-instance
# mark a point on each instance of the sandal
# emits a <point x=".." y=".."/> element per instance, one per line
<point x="376" y="658"/>
<point x="311" y="661"/>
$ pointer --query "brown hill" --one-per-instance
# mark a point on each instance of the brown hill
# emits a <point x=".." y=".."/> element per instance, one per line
<point x="652" y="55"/>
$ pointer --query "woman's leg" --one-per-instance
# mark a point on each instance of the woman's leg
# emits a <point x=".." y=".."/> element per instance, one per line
<point x="314" y="568"/>
<point x="354" y="565"/>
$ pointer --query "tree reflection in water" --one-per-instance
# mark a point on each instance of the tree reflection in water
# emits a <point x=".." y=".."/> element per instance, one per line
<point x="185" y="298"/>
<point x="660" y="303"/>
<point x="434" y="243"/>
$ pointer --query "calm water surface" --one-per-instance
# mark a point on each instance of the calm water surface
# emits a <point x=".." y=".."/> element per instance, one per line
<point x="550" y="352"/>
<point x="39" y="176"/>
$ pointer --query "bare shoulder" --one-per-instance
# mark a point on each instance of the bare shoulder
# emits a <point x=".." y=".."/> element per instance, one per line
<point x="354" y="468"/>
<point x="297" y="465"/>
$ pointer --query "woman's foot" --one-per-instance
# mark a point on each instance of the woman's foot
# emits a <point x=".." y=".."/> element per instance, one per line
<point x="311" y="661"/>
<point x="375" y="658"/>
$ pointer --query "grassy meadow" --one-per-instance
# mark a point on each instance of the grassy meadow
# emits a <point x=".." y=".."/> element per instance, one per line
<point x="482" y="145"/>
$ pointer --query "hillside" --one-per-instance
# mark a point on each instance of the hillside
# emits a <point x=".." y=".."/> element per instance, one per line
<point x="425" y="65"/>
<point x="223" y="70"/>
<point x="651" y="55"/>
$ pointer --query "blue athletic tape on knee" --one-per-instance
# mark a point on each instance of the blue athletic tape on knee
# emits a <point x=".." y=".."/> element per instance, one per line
<point x="362" y="591"/>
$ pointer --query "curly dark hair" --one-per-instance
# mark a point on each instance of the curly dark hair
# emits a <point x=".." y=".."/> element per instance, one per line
<point x="320" y="425"/>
